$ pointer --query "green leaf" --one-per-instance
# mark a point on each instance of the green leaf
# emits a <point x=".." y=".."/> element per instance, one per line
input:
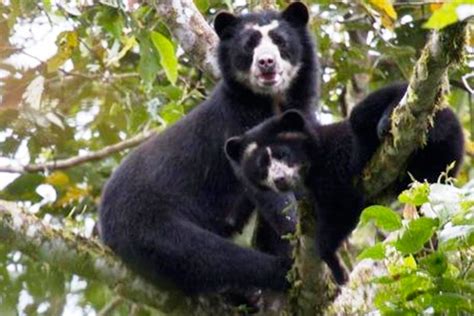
<point x="416" y="235"/>
<point x="409" y="262"/>
<point x="202" y="5"/>
<point x="47" y="5"/>
<point x="443" y="17"/>
<point x="172" y="112"/>
<point x="149" y="62"/>
<point x="168" y="59"/>
<point x="452" y="302"/>
<point x="454" y="284"/>
<point x="416" y="195"/>
<point x="112" y="21"/>
<point x="67" y="42"/>
<point x="137" y="119"/>
<point x="23" y="188"/>
<point x="172" y="92"/>
<point x="384" y="217"/>
<point x="435" y="263"/>
<point x="376" y="252"/>
<point x="413" y="285"/>
<point x="96" y="294"/>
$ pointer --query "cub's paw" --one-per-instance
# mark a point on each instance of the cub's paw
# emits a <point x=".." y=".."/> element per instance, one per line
<point x="248" y="302"/>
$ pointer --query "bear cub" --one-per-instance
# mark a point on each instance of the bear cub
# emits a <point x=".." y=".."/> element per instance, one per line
<point x="290" y="153"/>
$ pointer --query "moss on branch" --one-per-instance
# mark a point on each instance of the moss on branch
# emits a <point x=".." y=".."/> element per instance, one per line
<point x="89" y="259"/>
<point x="311" y="290"/>
<point x="411" y="119"/>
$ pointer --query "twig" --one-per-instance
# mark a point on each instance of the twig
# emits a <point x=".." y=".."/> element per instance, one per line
<point x="111" y="306"/>
<point x="78" y="160"/>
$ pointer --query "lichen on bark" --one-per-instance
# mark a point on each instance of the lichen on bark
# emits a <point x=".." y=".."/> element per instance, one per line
<point x="311" y="289"/>
<point x="412" y="117"/>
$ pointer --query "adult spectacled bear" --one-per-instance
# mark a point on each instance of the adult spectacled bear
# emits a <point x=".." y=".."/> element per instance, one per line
<point x="284" y="153"/>
<point x="164" y="210"/>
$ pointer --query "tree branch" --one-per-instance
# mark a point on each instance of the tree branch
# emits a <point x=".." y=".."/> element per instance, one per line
<point x="311" y="291"/>
<point x="78" y="160"/>
<point x="89" y="259"/>
<point x="191" y="31"/>
<point x="411" y="119"/>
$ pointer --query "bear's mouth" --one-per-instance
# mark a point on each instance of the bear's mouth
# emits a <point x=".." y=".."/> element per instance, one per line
<point x="269" y="78"/>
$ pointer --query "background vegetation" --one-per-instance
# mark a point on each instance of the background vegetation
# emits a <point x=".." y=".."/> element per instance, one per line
<point x="78" y="77"/>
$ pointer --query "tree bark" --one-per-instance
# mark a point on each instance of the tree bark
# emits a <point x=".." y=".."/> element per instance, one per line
<point x="89" y="259"/>
<point x="310" y="293"/>
<point x="191" y="31"/>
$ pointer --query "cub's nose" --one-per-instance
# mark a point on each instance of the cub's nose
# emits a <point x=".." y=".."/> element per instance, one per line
<point x="281" y="184"/>
<point x="266" y="63"/>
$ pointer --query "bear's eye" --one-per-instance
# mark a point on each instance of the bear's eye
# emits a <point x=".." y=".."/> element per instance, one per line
<point x="252" y="41"/>
<point x="281" y="154"/>
<point x="278" y="40"/>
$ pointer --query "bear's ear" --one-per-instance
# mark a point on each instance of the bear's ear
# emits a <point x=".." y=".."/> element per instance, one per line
<point x="222" y="21"/>
<point x="233" y="148"/>
<point x="296" y="14"/>
<point x="292" y="121"/>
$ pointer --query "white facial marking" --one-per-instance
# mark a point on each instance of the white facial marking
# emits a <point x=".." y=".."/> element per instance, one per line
<point x="249" y="149"/>
<point x="279" y="169"/>
<point x="283" y="73"/>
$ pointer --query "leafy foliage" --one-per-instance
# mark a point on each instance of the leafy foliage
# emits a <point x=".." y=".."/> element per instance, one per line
<point x="78" y="76"/>
<point x="429" y="259"/>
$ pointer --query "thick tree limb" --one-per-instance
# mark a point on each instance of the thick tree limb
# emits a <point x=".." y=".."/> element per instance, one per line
<point x="311" y="290"/>
<point x="89" y="259"/>
<point x="412" y="117"/>
<point x="191" y="31"/>
<point x="75" y="161"/>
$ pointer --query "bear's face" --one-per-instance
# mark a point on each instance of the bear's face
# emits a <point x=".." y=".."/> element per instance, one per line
<point x="262" y="51"/>
<point x="272" y="156"/>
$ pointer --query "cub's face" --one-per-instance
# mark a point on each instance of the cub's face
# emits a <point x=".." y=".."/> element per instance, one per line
<point x="276" y="167"/>
<point x="262" y="51"/>
<point x="271" y="156"/>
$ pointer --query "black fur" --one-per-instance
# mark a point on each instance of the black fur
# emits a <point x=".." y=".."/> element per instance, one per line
<point x="331" y="156"/>
<point x="164" y="210"/>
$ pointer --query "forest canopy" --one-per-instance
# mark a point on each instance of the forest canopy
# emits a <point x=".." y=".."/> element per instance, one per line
<point x="83" y="82"/>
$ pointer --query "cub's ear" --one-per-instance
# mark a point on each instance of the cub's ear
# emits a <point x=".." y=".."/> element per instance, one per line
<point x="292" y="121"/>
<point x="223" y="21"/>
<point x="233" y="148"/>
<point x="296" y="14"/>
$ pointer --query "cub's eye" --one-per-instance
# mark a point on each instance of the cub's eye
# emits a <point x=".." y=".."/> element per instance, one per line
<point x="281" y="153"/>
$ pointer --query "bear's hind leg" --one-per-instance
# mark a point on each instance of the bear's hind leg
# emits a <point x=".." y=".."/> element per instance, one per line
<point x="445" y="145"/>
<point x="200" y="261"/>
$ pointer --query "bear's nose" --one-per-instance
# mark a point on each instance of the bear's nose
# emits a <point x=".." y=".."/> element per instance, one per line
<point x="266" y="63"/>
